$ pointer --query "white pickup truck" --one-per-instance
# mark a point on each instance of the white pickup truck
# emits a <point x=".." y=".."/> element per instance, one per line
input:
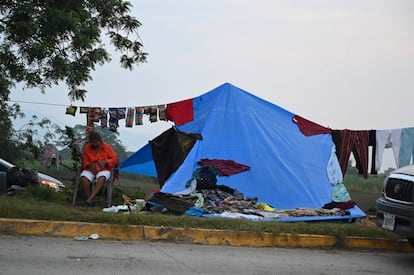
<point x="395" y="207"/>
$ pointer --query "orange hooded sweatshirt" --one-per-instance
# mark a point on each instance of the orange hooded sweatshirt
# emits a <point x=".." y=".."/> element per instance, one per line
<point x="106" y="152"/>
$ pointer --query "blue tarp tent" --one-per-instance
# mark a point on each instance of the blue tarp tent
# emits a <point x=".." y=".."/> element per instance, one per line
<point x="287" y="169"/>
<point x="141" y="162"/>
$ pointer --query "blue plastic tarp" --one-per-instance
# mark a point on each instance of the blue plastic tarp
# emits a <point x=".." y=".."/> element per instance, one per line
<point x="287" y="169"/>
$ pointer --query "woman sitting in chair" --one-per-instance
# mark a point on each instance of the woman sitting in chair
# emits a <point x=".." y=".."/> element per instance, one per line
<point x="98" y="159"/>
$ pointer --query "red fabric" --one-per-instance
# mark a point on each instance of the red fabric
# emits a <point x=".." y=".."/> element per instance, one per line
<point x="356" y="142"/>
<point x="225" y="167"/>
<point x="309" y="128"/>
<point x="180" y="112"/>
<point x="346" y="205"/>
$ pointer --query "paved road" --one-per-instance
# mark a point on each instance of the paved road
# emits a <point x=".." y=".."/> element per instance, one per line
<point x="39" y="255"/>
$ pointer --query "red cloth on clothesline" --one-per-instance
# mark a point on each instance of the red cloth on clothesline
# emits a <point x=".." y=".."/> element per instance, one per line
<point x="180" y="112"/>
<point x="309" y="128"/>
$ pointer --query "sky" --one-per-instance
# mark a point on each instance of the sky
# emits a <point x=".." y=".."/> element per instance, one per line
<point x="342" y="64"/>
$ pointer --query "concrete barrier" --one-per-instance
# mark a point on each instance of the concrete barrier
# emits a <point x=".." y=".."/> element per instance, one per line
<point x="195" y="235"/>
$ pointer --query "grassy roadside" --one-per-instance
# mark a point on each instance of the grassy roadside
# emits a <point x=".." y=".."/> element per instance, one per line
<point x="39" y="203"/>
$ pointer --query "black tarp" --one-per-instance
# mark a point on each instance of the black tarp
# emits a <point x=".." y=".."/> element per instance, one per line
<point x="169" y="150"/>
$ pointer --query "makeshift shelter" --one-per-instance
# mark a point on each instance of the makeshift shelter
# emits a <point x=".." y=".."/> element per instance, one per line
<point x="286" y="167"/>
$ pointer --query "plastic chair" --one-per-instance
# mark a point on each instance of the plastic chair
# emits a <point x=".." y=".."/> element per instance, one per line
<point x="108" y="186"/>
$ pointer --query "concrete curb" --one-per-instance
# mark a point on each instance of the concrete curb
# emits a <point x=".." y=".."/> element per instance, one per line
<point x="194" y="235"/>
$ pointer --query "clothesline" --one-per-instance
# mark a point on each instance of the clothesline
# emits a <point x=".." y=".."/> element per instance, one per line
<point x="179" y="112"/>
<point x="401" y="140"/>
<point x="56" y="104"/>
<point x="39" y="103"/>
<point x="357" y="142"/>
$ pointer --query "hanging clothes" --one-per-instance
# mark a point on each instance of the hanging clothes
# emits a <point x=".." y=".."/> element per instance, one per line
<point x="49" y="156"/>
<point x="309" y="128"/>
<point x="390" y="138"/>
<point x="355" y="142"/>
<point x="180" y="112"/>
<point x="373" y="143"/>
<point x="334" y="168"/>
<point x="104" y="118"/>
<point x="93" y="115"/>
<point x="407" y="147"/>
<point x="71" y="110"/>
<point x="139" y="112"/>
<point x="115" y="114"/>
<point x="161" y="112"/>
<point x="153" y="114"/>
<point x="83" y="110"/>
<point x="169" y="150"/>
<point x="337" y="141"/>
<point x="129" y="121"/>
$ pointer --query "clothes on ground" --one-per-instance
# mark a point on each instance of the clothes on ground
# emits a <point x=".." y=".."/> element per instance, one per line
<point x="224" y="201"/>
<point x="340" y="205"/>
<point x="175" y="204"/>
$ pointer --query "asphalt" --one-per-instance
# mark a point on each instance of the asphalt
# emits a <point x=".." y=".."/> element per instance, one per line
<point x="195" y="235"/>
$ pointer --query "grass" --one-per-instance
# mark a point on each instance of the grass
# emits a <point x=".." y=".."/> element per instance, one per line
<point x="40" y="203"/>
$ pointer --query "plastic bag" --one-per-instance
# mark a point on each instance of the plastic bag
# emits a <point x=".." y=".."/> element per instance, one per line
<point x="22" y="176"/>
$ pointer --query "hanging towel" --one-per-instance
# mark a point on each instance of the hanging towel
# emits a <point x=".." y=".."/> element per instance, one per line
<point x="83" y="110"/>
<point x="147" y="110"/>
<point x="180" y="112"/>
<point x="129" y="121"/>
<point x="115" y="114"/>
<point x="407" y="146"/>
<point x="153" y="115"/>
<point x="104" y="118"/>
<point x="93" y="115"/>
<point x="161" y="112"/>
<point x="71" y="110"/>
<point x="139" y="111"/>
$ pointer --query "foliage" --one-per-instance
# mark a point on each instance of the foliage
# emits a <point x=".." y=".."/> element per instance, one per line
<point x="79" y="132"/>
<point x="356" y="183"/>
<point x="45" y="43"/>
<point x="33" y="135"/>
<point x="42" y="193"/>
